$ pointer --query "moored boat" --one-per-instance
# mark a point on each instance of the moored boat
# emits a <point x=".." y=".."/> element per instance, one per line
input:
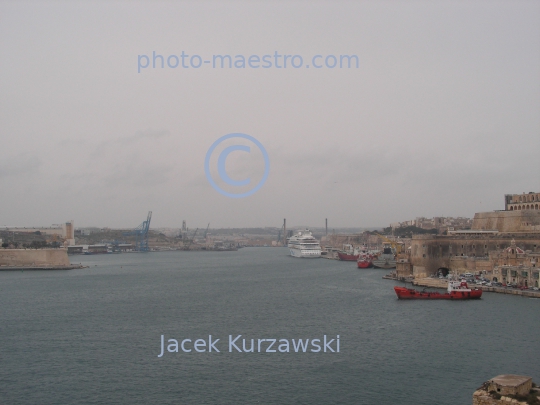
<point x="364" y="261"/>
<point x="387" y="259"/>
<point x="348" y="254"/>
<point x="456" y="291"/>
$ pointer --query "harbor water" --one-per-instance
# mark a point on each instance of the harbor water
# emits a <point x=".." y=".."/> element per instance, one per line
<point x="92" y="335"/>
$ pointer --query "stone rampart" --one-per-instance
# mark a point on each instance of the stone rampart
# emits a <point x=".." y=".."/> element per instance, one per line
<point x="507" y="221"/>
<point x="34" y="257"/>
<point x="463" y="264"/>
<point x="431" y="252"/>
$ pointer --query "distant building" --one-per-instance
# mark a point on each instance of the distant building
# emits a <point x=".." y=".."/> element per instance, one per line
<point x="442" y="224"/>
<point x="88" y="231"/>
<point x="520" y="202"/>
<point x="65" y="231"/>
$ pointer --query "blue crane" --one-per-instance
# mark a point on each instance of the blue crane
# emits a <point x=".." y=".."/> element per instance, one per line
<point x="141" y="232"/>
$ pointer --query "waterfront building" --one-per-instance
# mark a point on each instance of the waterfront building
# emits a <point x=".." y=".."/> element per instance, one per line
<point x="431" y="253"/>
<point x="64" y="231"/>
<point x="404" y="266"/>
<point x="499" y="231"/>
<point x="518" y="275"/>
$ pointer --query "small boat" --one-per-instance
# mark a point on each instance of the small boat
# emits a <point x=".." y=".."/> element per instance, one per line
<point x="456" y="291"/>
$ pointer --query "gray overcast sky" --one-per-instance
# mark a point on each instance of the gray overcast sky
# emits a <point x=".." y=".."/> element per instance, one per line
<point x="442" y="116"/>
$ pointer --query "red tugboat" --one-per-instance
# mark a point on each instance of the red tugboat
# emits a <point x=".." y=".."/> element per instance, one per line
<point x="456" y="291"/>
<point x="365" y="261"/>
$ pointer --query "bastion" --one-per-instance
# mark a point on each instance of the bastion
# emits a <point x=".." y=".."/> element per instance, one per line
<point x="508" y="221"/>
<point x="45" y="258"/>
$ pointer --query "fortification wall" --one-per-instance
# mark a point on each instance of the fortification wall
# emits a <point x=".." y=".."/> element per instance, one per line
<point x="34" y="257"/>
<point x="463" y="264"/>
<point x="431" y="252"/>
<point x="507" y="221"/>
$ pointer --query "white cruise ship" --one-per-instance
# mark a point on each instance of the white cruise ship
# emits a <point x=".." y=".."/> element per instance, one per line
<point x="303" y="244"/>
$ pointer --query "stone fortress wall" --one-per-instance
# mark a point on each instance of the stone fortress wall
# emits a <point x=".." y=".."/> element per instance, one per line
<point x="508" y="221"/>
<point x="490" y="231"/>
<point x="34" y="257"/>
<point x="431" y="252"/>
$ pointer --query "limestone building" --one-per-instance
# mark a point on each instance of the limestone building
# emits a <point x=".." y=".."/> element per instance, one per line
<point x="518" y="224"/>
<point x="520" y="202"/>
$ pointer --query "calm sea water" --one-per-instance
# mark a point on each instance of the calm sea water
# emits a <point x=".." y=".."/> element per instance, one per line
<point x="92" y="336"/>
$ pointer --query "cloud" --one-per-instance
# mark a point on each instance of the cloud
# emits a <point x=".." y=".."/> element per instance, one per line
<point x="19" y="166"/>
<point x="128" y="141"/>
<point x="137" y="174"/>
<point x="146" y="134"/>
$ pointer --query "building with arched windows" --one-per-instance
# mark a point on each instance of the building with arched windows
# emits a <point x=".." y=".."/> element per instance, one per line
<point x="521" y="214"/>
<point x="521" y="202"/>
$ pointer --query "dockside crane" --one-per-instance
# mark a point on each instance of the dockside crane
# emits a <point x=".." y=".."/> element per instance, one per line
<point x="205" y="232"/>
<point x="396" y="245"/>
<point x="141" y="233"/>
<point x="188" y="242"/>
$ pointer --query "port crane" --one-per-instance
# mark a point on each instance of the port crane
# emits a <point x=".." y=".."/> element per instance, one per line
<point x="141" y="234"/>
<point x="189" y="241"/>
<point x="206" y="232"/>
<point x="397" y="246"/>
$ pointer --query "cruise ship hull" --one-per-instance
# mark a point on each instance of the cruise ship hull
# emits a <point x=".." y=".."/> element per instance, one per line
<point x="310" y="254"/>
<point x="304" y="245"/>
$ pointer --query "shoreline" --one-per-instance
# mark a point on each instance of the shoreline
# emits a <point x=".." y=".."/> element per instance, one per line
<point x="17" y="268"/>
<point x="441" y="284"/>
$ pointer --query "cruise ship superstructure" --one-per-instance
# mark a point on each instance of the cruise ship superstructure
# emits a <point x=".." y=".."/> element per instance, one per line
<point x="303" y="244"/>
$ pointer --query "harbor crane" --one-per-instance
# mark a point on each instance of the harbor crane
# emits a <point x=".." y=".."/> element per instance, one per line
<point x="141" y="233"/>
<point x="205" y="232"/>
<point x="189" y="241"/>
<point x="282" y="234"/>
<point x="396" y="245"/>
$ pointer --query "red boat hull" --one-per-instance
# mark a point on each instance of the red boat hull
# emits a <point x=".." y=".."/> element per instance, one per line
<point x="364" y="264"/>
<point x="347" y="257"/>
<point x="408" y="293"/>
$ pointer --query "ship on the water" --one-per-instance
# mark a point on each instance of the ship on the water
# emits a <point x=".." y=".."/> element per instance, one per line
<point x="348" y="253"/>
<point x="456" y="291"/>
<point x="385" y="260"/>
<point x="304" y="244"/>
<point x="365" y="261"/>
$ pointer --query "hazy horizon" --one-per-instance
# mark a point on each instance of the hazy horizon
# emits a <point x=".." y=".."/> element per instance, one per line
<point x="441" y="117"/>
